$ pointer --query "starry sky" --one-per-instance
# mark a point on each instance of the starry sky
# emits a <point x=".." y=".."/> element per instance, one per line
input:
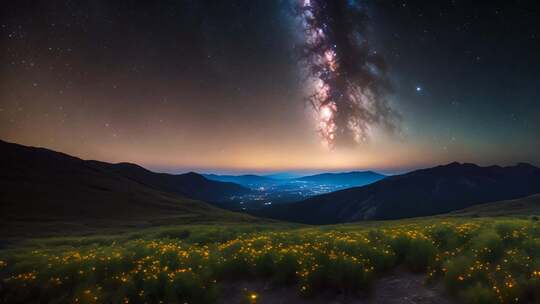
<point x="220" y="86"/>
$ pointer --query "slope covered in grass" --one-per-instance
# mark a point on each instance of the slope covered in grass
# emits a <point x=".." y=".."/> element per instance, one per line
<point x="44" y="191"/>
<point x="518" y="207"/>
<point x="478" y="261"/>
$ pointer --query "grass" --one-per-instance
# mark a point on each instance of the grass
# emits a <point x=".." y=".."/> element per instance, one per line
<point x="479" y="260"/>
<point x="521" y="207"/>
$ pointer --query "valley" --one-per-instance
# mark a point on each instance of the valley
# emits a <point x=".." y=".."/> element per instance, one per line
<point x="267" y="192"/>
<point x="83" y="231"/>
<point x="270" y="152"/>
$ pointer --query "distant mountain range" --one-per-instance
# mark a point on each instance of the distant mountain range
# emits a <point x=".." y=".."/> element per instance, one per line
<point x="350" y="179"/>
<point x="419" y="193"/>
<point x="283" y="175"/>
<point x="40" y="185"/>
<point x="356" y="178"/>
<point x="247" y="180"/>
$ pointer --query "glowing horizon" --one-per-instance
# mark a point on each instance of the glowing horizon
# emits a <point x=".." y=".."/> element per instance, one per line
<point x="229" y="93"/>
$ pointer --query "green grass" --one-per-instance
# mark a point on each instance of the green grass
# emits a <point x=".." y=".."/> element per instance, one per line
<point x="521" y="207"/>
<point x="479" y="260"/>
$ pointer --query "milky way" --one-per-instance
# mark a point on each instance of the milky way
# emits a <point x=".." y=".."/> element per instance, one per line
<point x="348" y="78"/>
<point x="214" y="85"/>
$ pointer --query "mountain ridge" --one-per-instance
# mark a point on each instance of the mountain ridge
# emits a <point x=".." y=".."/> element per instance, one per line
<point x="191" y="184"/>
<point x="356" y="178"/>
<point x="248" y="180"/>
<point x="422" y="192"/>
<point x="41" y="185"/>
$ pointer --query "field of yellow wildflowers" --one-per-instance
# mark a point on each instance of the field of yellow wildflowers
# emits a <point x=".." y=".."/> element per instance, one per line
<point x="478" y="260"/>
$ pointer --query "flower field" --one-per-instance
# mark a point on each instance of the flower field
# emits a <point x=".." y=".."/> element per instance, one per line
<point x="478" y="261"/>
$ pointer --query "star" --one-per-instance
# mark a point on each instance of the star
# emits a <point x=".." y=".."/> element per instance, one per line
<point x="418" y="89"/>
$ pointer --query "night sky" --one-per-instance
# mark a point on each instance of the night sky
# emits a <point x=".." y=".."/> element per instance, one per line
<point x="222" y="85"/>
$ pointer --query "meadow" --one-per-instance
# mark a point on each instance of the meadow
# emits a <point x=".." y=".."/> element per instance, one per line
<point x="478" y="260"/>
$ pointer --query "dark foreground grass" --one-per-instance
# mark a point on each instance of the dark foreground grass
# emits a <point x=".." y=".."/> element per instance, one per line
<point x="479" y="261"/>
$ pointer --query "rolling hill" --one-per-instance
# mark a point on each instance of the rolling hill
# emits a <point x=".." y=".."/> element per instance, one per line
<point x="419" y="193"/>
<point x="525" y="206"/>
<point x="40" y="187"/>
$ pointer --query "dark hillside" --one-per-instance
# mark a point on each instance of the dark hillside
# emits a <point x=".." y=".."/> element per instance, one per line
<point x="419" y="193"/>
<point x="40" y="185"/>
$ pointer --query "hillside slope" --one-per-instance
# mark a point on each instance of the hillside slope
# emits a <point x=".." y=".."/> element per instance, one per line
<point x="191" y="185"/>
<point x="40" y="185"/>
<point x="525" y="206"/>
<point x="419" y="193"/>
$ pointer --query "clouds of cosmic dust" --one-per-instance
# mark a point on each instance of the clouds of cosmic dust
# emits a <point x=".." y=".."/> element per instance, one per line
<point x="349" y="79"/>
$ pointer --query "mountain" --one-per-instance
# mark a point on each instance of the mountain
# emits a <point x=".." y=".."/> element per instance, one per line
<point x="419" y="193"/>
<point x="283" y="175"/>
<point x="525" y="206"/>
<point x="247" y="180"/>
<point x="355" y="178"/>
<point x="191" y="185"/>
<point x="46" y="189"/>
<point x="346" y="179"/>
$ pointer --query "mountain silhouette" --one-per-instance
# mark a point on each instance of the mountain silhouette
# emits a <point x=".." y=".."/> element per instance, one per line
<point x="247" y="180"/>
<point x="43" y="185"/>
<point x="355" y="178"/>
<point x="191" y="185"/>
<point x="419" y="193"/>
